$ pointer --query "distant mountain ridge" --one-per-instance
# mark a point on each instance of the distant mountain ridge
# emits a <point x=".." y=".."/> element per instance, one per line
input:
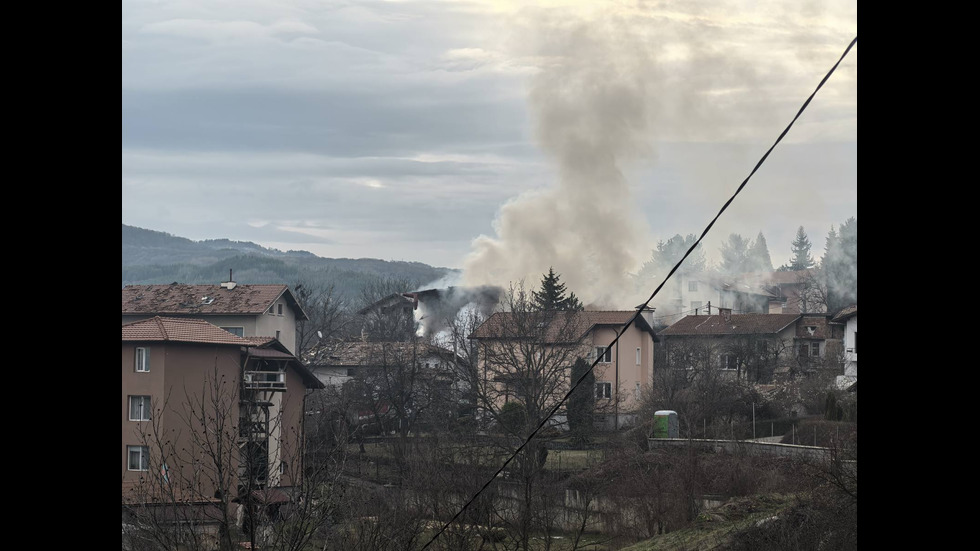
<point x="150" y="256"/>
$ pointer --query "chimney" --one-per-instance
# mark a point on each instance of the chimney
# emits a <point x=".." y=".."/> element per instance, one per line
<point x="726" y="313"/>
<point x="646" y="313"/>
<point x="230" y="284"/>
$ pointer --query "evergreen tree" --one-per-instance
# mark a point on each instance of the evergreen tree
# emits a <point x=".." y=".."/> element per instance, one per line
<point x="552" y="294"/>
<point x="839" y="266"/>
<point x="801" y="252"/>
<point x="758" y="256"/>
<point x="581" y="403"/>
<point x="668" y="254"/>
<point x="735" y="254"/>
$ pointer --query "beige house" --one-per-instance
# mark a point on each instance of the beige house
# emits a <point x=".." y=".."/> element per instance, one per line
<point x="542" y="347"/>
<point x="249" y="392"/>
<point x="243" y="310"/>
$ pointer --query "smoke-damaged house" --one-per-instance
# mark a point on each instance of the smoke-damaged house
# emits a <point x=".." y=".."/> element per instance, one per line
<point x="207" y="417"/>
<point x="243" y="310"/>
<point x="527" y="357"/>
<point x="758" y="292"/>
<point x="753" y="347"/>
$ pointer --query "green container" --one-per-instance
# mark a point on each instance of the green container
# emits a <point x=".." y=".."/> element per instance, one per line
<point x="665" y="424"/>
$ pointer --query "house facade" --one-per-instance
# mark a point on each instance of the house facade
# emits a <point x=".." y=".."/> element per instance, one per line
<point x="703" y="293"/>
<point x="206" y="413"/>
<point x="243" y="310"/>
<point x="753" y="347"/>
<point x="525" y="356"/>
<point x="848" y="317"/>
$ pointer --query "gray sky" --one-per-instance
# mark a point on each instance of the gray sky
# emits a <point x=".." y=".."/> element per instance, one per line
<point x="499" y="137"/>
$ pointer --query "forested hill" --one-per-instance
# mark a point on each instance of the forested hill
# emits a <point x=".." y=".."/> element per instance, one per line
<point x="156" y="257"/>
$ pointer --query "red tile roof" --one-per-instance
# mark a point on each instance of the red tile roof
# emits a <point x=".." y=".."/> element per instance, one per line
<point x="561" y="326"/>
<point x="179" y="330"/>
<point x="736" y="324"/>
<point x="178" y="298"/>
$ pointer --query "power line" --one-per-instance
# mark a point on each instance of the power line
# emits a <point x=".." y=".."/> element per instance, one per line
<point x="640" y="309"/>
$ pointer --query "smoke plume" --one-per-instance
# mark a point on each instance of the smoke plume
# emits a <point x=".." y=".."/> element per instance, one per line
<point x="589" y="101"/>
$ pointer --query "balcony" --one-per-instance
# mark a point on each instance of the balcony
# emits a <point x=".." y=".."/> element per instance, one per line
<point x="265" y="380"/>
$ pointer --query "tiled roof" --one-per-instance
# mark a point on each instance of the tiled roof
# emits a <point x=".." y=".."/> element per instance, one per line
<point x="367" y="353"/>
<point x="179" y="330"/>
<point x="178" y="298"/>
<point x="848" y="312"/>
<point x="736" y="324"/>
<point x="561" y="326"/>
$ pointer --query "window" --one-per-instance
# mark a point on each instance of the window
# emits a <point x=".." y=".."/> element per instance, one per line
<point x="637" y="355"/>
<point x="815" y="349"/>
<point x="603" y="390"/>
<point x="728" y="361"/>
<point x="139" y="457"/>
<point x="692" y="285"/>
<point x="604" y="353"/>
<point x="142" y="359"/>
<point x="279" y="309"/>
<point x="804" y="350"/>
<point x="139" y="408"/>
<point x="272" y="310"/>
<point x="237" y="331"/>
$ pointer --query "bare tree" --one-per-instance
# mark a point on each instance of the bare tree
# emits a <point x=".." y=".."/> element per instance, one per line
<point x="329" y="320"/>
<point x="523" y="372"/>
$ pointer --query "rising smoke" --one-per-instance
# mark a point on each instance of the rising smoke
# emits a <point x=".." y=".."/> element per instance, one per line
<point x="605" y="88"/>
<point x="590" y="103"/>
<point x="440" y="307"/>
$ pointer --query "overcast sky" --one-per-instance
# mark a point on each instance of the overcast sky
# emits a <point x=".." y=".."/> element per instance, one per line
<point x="400" y="130"/>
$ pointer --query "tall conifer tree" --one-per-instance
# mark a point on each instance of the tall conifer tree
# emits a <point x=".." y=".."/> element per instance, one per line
<point x="552" y="294"/>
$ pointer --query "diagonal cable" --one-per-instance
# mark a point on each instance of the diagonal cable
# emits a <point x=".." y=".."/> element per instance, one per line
<point x="640" y="309"/>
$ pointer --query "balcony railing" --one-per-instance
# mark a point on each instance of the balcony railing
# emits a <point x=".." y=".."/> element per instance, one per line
<point x="265" y="380"/>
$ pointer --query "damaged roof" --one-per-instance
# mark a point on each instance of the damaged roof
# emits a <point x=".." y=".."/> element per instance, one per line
<point x="184" y="299"/>
<point x="734" y="324"/>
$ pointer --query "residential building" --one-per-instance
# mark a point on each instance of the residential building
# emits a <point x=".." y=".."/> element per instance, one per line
<point x="195" y="396"/>
<point x="241" y="309"/>
<point x="703" y="293"/>
<point x="518" y="351"/>
<point x="406" y="382"/>
<point x="753" y="347"/>
<point x="848" y="316"/>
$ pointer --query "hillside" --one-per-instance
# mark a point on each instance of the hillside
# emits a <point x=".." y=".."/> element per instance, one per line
<point x="150" y="256"/>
